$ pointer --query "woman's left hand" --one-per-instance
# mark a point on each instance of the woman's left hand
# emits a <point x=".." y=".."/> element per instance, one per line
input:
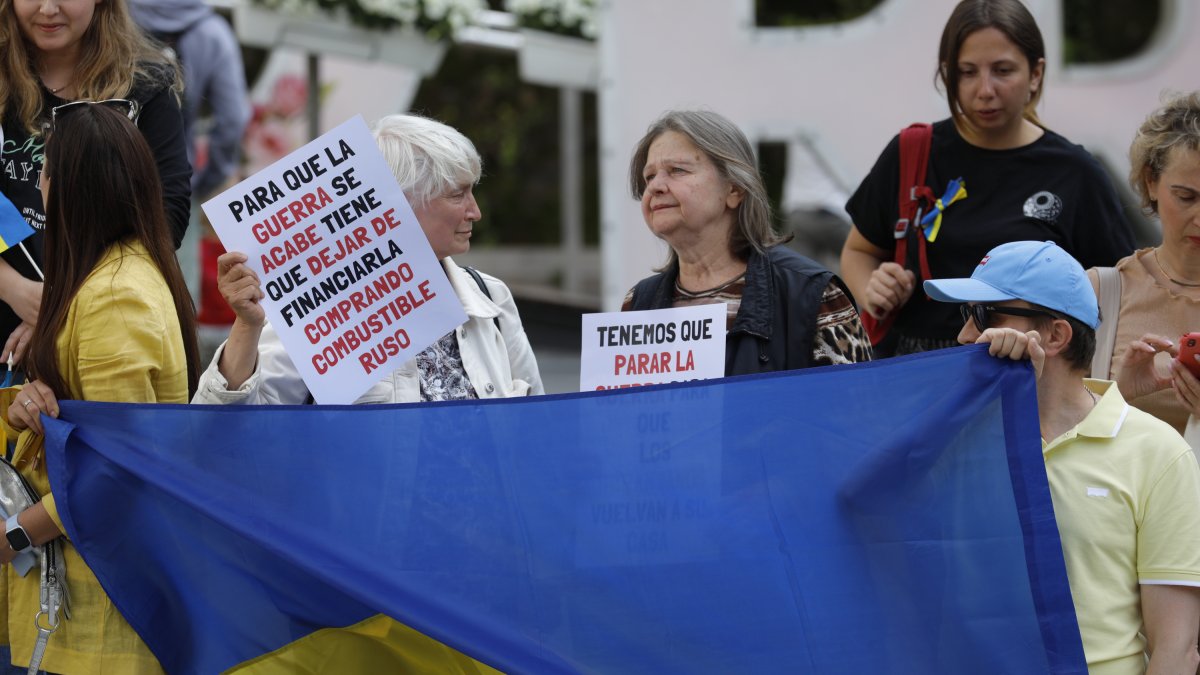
<point x="1187" y="387"/>
<point x="18" y="342"/>
<point x="1136" y="375"/>
<point x="27" y="407"/>
<point x="38" y="525"/>
<point x="7" y="554"/>
<point x="23" y="295"/>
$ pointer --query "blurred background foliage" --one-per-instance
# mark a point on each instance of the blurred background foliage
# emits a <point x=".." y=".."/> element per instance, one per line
<point x="514" y="125"/>
<point x="1097" y="32"/>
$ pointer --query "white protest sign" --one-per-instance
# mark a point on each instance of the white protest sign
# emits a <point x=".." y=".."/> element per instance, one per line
<point x="352" y="286"/>
<point x="632" y="349"/>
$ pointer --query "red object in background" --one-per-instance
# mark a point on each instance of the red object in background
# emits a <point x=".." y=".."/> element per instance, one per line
<point x="214" y="311"/>
<point x="1189" y="348"/>
<point x="289" y="95"/>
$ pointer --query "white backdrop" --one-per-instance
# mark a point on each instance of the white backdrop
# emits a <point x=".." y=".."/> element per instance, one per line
<point x="845" y="89"/>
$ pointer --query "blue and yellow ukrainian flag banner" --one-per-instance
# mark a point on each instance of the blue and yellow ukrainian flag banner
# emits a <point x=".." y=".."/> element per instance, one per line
<point x="13" y="227"/>
<point x="888" y="517"/>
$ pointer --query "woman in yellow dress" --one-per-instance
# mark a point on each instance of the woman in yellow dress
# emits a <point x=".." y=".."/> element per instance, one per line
<point x="115" y="324"/>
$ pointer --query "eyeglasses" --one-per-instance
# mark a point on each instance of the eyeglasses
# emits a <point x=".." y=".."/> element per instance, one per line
<point x="982" y="314"/>
<point x="127" y="107"/>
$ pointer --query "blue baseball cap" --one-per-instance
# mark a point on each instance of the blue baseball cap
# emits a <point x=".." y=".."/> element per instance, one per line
<point x="1038" y="272"/>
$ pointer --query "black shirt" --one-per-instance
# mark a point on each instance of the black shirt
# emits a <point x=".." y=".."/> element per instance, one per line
<point x="161" y="124"/>
<point x="1049" y="190"/>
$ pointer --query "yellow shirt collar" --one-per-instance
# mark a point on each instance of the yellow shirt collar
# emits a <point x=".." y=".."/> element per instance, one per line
<point x="1104" y="421"/>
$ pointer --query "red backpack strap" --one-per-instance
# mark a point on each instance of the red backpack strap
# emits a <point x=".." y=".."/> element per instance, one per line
<point x="915" y="141"/>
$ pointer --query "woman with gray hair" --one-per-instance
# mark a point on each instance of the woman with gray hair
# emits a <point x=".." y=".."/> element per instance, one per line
<point x="487" y="357"/>
<point x="701" y="193"/>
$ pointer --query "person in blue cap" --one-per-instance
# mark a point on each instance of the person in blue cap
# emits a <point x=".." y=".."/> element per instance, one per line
<point x="1125" y="485"/>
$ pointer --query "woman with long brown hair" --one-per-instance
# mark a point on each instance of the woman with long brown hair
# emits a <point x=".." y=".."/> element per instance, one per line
<point x="1022" y="181"/>
<point x="116" y="324"/>
<point x="54" y="52"/>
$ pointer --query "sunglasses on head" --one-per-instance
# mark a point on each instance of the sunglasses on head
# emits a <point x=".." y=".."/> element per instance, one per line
<point x="982" y="314"/>
<point x="127" y="107"/>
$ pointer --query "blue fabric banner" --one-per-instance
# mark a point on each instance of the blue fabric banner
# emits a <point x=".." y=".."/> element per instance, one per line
<point x="891" y="517"/>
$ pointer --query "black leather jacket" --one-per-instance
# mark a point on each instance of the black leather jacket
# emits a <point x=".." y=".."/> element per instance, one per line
<point x="775" y="326"/>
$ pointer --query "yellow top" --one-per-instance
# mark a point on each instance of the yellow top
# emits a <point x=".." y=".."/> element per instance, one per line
<point x="1126" y="492"/>
<point x="120" y="342"/>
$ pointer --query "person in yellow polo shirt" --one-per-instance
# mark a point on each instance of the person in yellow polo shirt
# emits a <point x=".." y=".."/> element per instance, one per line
<point x="1125" y="485"/>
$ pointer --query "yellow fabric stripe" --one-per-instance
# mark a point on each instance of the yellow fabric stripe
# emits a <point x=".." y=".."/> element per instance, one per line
<point x="7" y="396"/>
<point x="379" y="644"/>
<point x="3" y="244"/>
<point x="52" y="510"/>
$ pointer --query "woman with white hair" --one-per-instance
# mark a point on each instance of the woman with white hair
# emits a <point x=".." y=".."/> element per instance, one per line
<point x="487" y="357"/>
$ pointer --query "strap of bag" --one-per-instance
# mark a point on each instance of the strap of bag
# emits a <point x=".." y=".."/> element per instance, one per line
<point x="53" y="598"/>
<point x="1106" y="336"/>
<point x="915" y="141"/>
<point x="478" y="280"/>
<point x="16" y="495"/>
<point x="482" y="287"/>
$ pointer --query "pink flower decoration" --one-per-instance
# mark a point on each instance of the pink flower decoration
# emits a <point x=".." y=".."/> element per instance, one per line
<point x="289" y="96"/>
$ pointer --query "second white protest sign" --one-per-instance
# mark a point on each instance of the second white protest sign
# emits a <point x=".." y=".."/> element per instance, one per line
<point x="632" y="349"/>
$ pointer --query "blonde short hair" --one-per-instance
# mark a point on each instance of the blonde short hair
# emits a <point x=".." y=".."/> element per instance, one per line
<point x="1174" y="124"/>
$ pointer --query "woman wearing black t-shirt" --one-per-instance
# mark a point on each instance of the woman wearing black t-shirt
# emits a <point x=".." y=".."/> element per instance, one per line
<point x="56" y="53"/>
<point x="1023" y="181"/>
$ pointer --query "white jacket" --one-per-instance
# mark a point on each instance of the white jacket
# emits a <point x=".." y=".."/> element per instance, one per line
<point x="499" y="363"/>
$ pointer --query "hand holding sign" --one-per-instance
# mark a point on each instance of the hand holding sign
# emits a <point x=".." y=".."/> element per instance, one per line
<point x="240" y="287"/>
<point x="630" y="349"/>
<point x="338" y="260"/>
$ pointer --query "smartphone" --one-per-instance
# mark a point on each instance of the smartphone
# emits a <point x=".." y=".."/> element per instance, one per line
<point x="1189" y="348"/>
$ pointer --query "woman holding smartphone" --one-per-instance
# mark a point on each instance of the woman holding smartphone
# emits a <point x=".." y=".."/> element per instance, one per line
<point x="1160" y="286"/>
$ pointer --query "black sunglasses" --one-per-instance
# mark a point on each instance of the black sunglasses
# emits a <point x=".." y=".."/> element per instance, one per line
<point x="127" y="107"/>
<point x="981" y="314"/>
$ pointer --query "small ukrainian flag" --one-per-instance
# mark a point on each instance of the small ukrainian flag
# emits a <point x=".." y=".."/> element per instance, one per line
<point x="956" y="190"/>
<point x="13" y="228"/>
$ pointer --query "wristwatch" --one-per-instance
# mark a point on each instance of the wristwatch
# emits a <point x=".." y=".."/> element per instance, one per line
<point x="18" y="539"/>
